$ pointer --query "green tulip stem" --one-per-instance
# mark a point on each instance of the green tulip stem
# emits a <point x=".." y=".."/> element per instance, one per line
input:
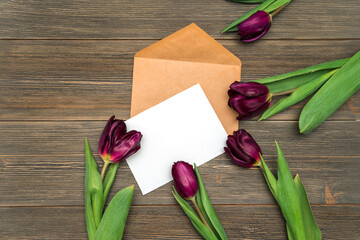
<point x="103" y="171"/>
<point x="200" y="213"/>
<point x="283" y="92"/>
<point x="277" y="10"/>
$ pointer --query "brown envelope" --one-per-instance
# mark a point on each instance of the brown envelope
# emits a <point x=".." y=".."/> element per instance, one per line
<point x="179" y="61"/>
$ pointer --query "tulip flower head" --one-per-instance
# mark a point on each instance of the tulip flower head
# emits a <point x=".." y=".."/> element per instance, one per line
<point x="116" y="144"/>
<point x="185" y="179"/>
<point x="242" y="149"/>
<point x="256" y="26"/>
<point x="248" y="98"/>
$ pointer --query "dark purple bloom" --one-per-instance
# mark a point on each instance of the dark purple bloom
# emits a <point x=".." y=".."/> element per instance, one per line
<point x="248" y="98"/>
<point x="115" y="144"/>
<point x="256" y="26"/>
<point x="185" y="180"/>
<point x="242" y="149"/>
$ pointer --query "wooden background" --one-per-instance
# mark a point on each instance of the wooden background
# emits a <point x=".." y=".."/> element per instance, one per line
<point x="66" y="66"/>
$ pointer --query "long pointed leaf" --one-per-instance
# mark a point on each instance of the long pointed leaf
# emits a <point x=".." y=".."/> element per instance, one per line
<point x="322" y="66"/>
<point x="311" y="228"/>
<point x="233" y="26"/>
<point x="275" y="5"/>
<point x="269" y="177"/>
<point x="108" y="180"/>
<point x="289" y="233"/>
<point x="334" y="93"/>
<point x="298" y="95"/>
<point x="89" y="214"/>
<point x="202" y="209"/>
<point x="209" y="208"/>
<point x="288" y="198"/>
<point x="202" y="229"/>
<point x="294" y="82"/>
<point x="202" y="232"/>
<point x="113" y="222"/>
<point x="247" y="1"/>
<point x="93" y="193"/>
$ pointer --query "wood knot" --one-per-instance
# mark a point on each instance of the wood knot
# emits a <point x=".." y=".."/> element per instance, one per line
<point x="218" y="179"/>
<point x="330" y="198"/>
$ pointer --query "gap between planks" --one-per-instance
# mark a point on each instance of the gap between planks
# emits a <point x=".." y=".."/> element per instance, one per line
<point x="172" y="205"/>
<point x="158" y="39"/>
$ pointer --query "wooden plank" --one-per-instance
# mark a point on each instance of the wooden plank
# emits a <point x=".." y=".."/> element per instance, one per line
<point x="91" y="80"/>
<point x="155" y="19"/>
<point x="54" y="138"/>
<point x="59" y="180"/>
<point x="169" y="222"/>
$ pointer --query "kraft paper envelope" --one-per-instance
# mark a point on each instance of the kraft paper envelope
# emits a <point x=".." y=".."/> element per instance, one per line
<point x="184" y="127"/>
<point x="179" y="61"/>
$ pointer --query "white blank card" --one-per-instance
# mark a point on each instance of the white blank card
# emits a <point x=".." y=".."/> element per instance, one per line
<point x="183" y="127"/>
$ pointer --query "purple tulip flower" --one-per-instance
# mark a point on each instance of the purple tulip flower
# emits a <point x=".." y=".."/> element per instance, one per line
<point x="242" y="149"/>
<point x="248" y="98"/>
<point x="256" y="26"/>
<point x="185" y="179"/>
<point x="116" y="144"/>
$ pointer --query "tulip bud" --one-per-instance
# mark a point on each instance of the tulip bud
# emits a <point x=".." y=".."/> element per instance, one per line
<point x="115" y="144"/>
<point x="248" y="98"/>
<point x="256" y="26"/>
<point x="242" y="149"/>
<point x="185" y="180"/>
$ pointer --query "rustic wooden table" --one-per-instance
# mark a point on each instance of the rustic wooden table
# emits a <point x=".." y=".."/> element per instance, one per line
<point x="66" y="66"/>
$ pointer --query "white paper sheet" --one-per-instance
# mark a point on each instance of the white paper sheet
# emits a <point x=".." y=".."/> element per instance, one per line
<point x="184" y="127"/>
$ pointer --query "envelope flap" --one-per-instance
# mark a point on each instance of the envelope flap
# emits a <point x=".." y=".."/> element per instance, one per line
<point x="190" y="44"/>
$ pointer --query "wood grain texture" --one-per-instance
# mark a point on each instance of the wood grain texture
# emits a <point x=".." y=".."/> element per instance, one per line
<point x="333" y="138"/>
<point x="154" y="19"/>
<point x="169" y="222"/>
<point x="59" y="181"/>
<point x="91" y="80"/>
<point x="66" y="66"/>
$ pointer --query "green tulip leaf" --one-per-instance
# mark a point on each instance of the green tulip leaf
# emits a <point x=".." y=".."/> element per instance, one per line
<point x="288" y="198"/>
<point x="275" y="5"/>
<point x="292" y="199"/>
<point x="289" y="233"/>
<point x="202" y="209"/>
<point x="113" y="222"/>
<point x="298" y="95"/>
<point x="247" y="1"/>
<point x="233" y="26"/>
<point x="294" y="82"/>
<point x="202" y="229"/>
<point x="206" y="203"/>
<point x="206" y="233"/>
<point x="334" y="93"/>
<point x="312" y="230"/>
<point x="109" y="179"/>
<point x="93" y="193"/>
<point x="269" y="177"/>
<point x="322" y="66"/>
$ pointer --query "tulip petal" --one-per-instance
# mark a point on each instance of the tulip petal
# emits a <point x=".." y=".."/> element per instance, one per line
<point x="234" y="102"/>
<point x="236" y="160"/>
<point x="185" y="180"/>
<point x="256" y="26"/>
<point x="237" y="151"/>
<point x="104" y="136"/>
<point x="127" y="145"/>
<point x="248" y="99"/>
<point x="248" y="89"/>
<point x="118" y="129"/>
<point x="248" y="144"/>
<point x="258" y="111"/>
<point x="252" y="38"/>
<point x="248" y="106"/>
